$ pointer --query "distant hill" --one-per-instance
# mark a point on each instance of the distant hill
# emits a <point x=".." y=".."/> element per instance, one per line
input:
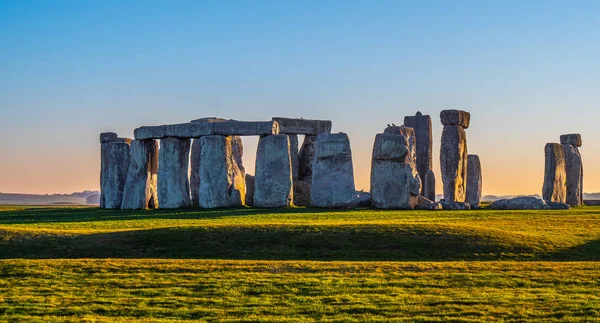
<point x="77" y="198"/>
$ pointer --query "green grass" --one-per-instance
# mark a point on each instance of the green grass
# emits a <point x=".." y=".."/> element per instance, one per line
<point x="268" y="291"/>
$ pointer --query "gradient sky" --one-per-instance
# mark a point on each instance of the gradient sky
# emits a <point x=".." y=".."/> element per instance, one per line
<point x="528" y="71"/>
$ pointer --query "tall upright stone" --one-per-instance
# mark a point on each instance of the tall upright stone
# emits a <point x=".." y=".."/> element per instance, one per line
<point x="453" y="154"/>
<point x="555" y="175"/>
<point x="273" y="182"/>
<point x="114" y="156"/>
<point x="574" y="168"/>
<point x="140" y="190"/>
<point x="393" y="182"/>
<point x="333" y="172"/>
<point x="411" y="157"/>
<point x="173" y="182"/>
<point x="474" y="181"/>
<point x="222" y="182"/>
<point x="294" y="155"/>
<point x="423" y="132"/>
<point x="306" y="158"/>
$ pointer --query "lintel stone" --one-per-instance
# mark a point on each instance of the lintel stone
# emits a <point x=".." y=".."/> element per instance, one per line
<point x="181" y="130"/>
<point x="303" y="126"/>
<point x="245" y="128"/>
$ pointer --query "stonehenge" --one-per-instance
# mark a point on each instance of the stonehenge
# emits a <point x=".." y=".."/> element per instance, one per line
<point x="114" y="156"/>
<point x="140" y="191"/>
<point x="273" y="179"/>
<point x="173" y="182"/>
<point x="424" y="153"/>
<point x="555" y="174"/>
<point x="453" y="154"/>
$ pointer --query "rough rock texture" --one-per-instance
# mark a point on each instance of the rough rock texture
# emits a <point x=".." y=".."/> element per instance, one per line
<point x="447" y="205"/>
<point x="424" y="203"/>
<point x="303" y="126"/>
<point x="429" y="185"/>
<point x="453" y="163"/>
<point x="306" y="158"/>
<point x="273" y="178"/>
<point x="173" y="182"/>
<point x="423" y="133"/>
<point x="223" y="183"/>
<point x="114" y="158"/>
<point x="301" y="193"/>
<point x="237" y="153"/>
<point x="574" y="169"/>
<point x="455" y="118"/>
<point x="571" y="139"/>
<point x="245" y="128"/>
<point x="294" y="155"/>
<point x="474" y="181"/>
<point x="519" y="203"/>
<point x="209" y="119"/>
<point x="333" y="172"/>
<point x="555" y="175"/>
<point x="249" y="190"/>
<point x="557" y="206"/>
<point x="181" y="130"/>
<point x="392" y="178"/>
<point x="411" y="157"/>
<point x="107" y="137"/>
<point x="140" y="191"/>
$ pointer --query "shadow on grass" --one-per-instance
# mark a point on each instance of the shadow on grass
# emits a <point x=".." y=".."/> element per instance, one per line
<point x="589" y="251"/>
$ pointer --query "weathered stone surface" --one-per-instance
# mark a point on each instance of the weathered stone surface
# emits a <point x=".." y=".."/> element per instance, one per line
<point x="362" y="199"/>
<point x="574" y="170"/>
<point x="424" y="203"/>
<point x="474" y="181"/>
<point x="519" y="203"/>
<point x="107" y="137"/>
<point x="237" y="153"/>
<point x="301" y="193"/>
<point x="453" y="163"/>
<point x="423" y="133"/>
<point x="140" y="190"/>
<point x="273" y="177"/>
<point x="249" y="190"/>
<point x="333" y="172"/>
<point x="429" y="185"/>
<point x="392" y="178"/>
<point x="294" y="155"/>
<point x="571" y="139"/>
<point x="447" y="205"/>
<point x="455" y="118"/>
<point x="173" y="182"/>
<point x="555" y="175"/>
<point x="113" y="173"/>
<point x="182" y="130"/>
<point x="306" y="158"/>
<point x="222" y="182"/>
<point x="557" y="206"/>
<point x="245" y="128"/>
<point x="303" y="126"/>
<point x="411" y="157"/>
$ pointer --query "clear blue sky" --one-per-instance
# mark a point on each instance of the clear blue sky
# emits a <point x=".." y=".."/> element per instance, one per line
<point x="528" y="71"/>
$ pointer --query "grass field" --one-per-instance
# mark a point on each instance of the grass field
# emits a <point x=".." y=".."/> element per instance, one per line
<point x="299" y="264"/>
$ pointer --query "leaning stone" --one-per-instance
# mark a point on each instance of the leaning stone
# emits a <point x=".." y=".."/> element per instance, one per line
<point x="520" y="203"/>
<point x="222" y="184"/>
<point x="173" y="182"/>
<point x="140" y="188"/>
<point x="555" y="175"/>
<point x="245" y="128"/>
<point x="474" y="181"/>
<point x="453" y="163"/>
<point x="249" y="190"/>
<point x="305" y="158"/>
<point x="574" y="169"/>
<point x="455" y="118"/>
<point x="182" y="130"/>
<point x="333" y="172"/>
<point x="294" y="156"/>
<point x="571" y="139"/>
<point x="557" y="206"/>
<point x="446" y="205"/>
<point x="301" y="193"/>
<point x="113" y="174"/>
<point x="107" y="137"/>
<point x="303" y="126"/>
<point x="273" y="177"/>
<point x="424" y="152"/>
<point x="429" y="185"/>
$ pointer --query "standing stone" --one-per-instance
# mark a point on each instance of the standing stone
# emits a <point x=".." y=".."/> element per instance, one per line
<point x="453" y="163"/>
<point x="574" y="169"/>
<point x="301" y="193"/>
<point x="306" y="157"/>
<point x="249" y="190"/>
<point x="222" y="182"/>
<point x="392" y="179"/>
<point x="294" y="155"/>
<point x="173" y="181"/>
<point x="423" y="132"/>
<point x="455" y="118"/>
<point x="140" y="189"/>
<point x="555" y="176"/>
<point x="411" y="157"/>
<point x="332" y="173"/>
<point x="474" y="181"/>
<point x="113" y="173"/>
<point x="273" y="182"/>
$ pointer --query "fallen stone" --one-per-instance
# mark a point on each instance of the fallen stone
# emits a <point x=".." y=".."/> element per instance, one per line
<point x="273" y="177"/>
<point x="306" y="158"/>
<point x="333" y="172"/>
<point x="424" y="152"/>
<point x="519" y="203"/>
<point x="574" y="170"/>
<point x="294" y="155"/>
<point x="571" y="139"/>
<point x="182" y="130"/>
<point x="429" y="185"/>
<point x="474" y="181"/>
<point x="555" y="175"/>
<point x="114" y="158"/>
<point x="222" y="182"/>
<point x="173" y="182"/>
<point x="140" y="191"/>
<point x="446" y="205"/>
<point x="245" y="128"/>
<point x="557" y="206"/>
<point x="424" y="203"/>
<point x="591" y="202"/>
<point x="249" y="190"/>
<point x="453" y="163"/>
<point x="301" y="193"/>
<point x="303" y="126"/>
<point x="455" y="118"/>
